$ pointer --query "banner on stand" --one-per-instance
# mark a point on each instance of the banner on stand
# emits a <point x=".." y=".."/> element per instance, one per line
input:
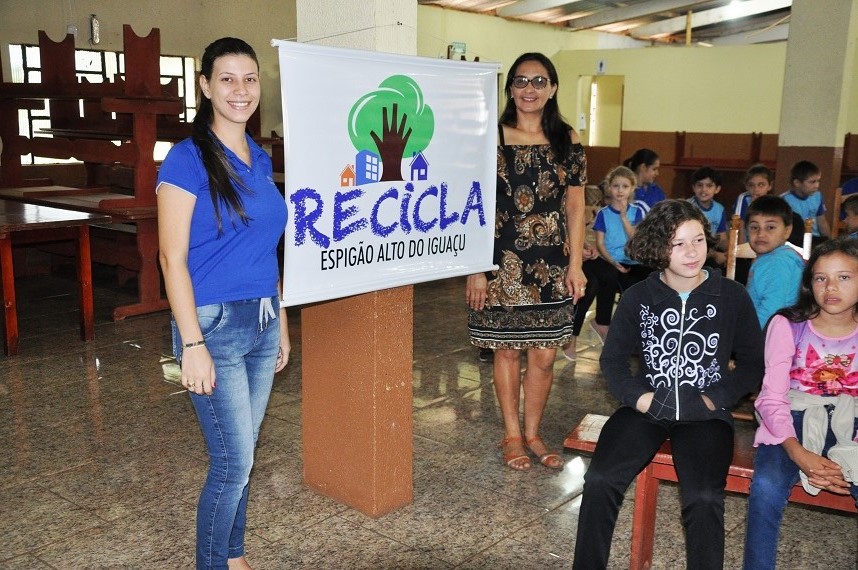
<point x="390" y="170"/>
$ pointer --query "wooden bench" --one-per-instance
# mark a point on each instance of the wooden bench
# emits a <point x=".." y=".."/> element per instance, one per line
<point x="585" y="435"/>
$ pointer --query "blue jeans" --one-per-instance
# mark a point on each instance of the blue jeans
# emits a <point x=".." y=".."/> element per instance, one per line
<point x="775" y="474"/>
<point x="243" y="346"/>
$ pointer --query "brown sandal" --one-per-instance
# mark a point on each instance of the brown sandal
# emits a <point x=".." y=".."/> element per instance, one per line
<point x="549" y="459"/>
<point x="511" y="459"/>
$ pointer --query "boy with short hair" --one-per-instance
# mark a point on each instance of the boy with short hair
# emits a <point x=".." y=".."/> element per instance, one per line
<point x="850" y="215"/>
<point x="706" y="183"/>
<point x="758" y="182"/>
<point x="776" y="273"/>
<point x="805" y="199"/>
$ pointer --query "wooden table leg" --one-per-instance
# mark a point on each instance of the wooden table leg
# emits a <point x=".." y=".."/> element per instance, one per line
<point x="84" y="278"/>
<point x="643" y="519"/>
<point x="149" y="277"/>
<point x="10" y="313"/>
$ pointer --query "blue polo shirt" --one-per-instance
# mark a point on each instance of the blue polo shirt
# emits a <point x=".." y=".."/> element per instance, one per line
<point x="241" y="263"/>
<point x="715" y="214"/>
<point x="649" y="194"/>
<point x="608" y="222"/>
<point x="809" y="207"/>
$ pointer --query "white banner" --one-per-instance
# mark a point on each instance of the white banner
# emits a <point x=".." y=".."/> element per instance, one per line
<point x="390" y="169"/>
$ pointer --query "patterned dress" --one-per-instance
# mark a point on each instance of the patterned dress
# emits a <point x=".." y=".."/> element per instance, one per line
<point x="527" y="303"/>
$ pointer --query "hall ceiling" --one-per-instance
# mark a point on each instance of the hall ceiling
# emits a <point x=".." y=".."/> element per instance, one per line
<point x="664" y="21"/>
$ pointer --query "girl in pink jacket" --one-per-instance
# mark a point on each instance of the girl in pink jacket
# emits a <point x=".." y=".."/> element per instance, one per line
<point x="809" y="399"/>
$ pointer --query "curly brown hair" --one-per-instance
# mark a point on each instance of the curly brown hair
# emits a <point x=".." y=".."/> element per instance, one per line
<point x="650" y="245"/>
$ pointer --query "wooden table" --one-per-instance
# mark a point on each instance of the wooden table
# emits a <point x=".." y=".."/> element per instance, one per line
<point x="16" y="218"/>
<point x="120" y="208"/>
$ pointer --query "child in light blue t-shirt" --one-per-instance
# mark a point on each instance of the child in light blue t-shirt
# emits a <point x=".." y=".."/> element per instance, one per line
<point x="706" y="183"/>
<point x="805" y="199"/>
<point x="850" y="215"/>
<point x="615" y="224"/>
<point x="776" y="273"/>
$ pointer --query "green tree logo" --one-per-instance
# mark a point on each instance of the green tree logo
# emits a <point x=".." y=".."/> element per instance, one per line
<point x="393" y="119"/>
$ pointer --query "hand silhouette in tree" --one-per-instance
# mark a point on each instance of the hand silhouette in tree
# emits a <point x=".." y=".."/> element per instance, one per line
<point x="392" y="144"/>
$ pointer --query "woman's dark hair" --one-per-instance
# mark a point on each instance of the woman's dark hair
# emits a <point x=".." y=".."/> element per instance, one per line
<point x="651" y="243"/>
<point x="555" y="128"/>
<point x="806" y="307"/>
<point x="223" y="179"/>
<point x="642" y="156"/>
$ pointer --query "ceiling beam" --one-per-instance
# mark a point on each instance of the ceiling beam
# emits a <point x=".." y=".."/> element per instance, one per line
<point x="771" y="34"/>
<point x="525" y="7"/>
<point x="605" y="17"/>
<point x="709" y="17"/>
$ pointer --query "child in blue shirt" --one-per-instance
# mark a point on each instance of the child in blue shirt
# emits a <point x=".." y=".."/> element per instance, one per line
<point x="758" y="182"/>
<point x="644" y="164"/>
<point x="706" y="183"/>
<point x="850" y="215"/>
<point x="776" y="273"/>
<point x="804" y="197"/>
<point x="615" y="225"/>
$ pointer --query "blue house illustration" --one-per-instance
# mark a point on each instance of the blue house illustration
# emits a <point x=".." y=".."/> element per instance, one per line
<point x="367" y="167"/>
<point x="419" y="167"/>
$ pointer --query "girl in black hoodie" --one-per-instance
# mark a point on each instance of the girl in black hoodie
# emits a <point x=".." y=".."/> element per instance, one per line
<point x="687" y="322"/>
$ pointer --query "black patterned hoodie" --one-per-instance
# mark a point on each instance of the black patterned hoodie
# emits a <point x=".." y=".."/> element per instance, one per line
<point x="685" y="348"/>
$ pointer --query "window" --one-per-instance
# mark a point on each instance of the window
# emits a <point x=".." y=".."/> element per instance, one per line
<point x="96" y="67"/>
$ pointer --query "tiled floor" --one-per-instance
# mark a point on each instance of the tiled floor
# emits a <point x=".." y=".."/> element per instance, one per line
<point x="101" y="460"/>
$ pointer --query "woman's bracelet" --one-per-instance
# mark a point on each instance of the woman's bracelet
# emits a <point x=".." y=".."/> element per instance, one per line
<point x="193" y="344"/>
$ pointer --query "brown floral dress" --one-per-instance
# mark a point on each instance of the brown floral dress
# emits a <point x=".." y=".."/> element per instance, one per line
<point x="527" y="304"/>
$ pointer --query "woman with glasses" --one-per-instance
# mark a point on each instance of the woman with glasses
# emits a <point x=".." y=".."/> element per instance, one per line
<point x="528" y="304"/>
<point x="220" y="217"/>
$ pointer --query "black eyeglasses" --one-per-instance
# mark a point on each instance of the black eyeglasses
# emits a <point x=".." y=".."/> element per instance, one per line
<point x="538" y="82"/>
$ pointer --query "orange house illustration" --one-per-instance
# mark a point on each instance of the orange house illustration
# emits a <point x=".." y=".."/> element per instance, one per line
<point x="347" y="176"/>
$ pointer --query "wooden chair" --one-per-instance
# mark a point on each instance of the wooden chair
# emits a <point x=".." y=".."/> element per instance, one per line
<point x="837" y="225"/>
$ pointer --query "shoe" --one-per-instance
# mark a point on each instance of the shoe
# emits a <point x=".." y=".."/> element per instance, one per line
<point x="569" y="351"/>
<point x="514" y="460"/>
<point x="549" y="459"/>
<point x="598" y="334"/>
<point x="487" y="354"/>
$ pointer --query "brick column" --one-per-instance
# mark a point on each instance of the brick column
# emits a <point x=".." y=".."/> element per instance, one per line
<point x="357" y="352"/>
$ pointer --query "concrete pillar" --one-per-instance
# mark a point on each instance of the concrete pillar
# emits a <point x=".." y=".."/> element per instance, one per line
<point x="357" y="352"/>
<point x="817" y="83"/>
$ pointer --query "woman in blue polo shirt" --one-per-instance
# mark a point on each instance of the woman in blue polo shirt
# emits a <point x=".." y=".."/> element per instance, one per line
<point x="220" y="217"/>
<point x="645" y="163"/>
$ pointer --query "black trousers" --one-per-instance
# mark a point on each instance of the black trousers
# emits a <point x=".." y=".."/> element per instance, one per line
<point x="602" y="286"/>
<point x="702" y="452"/>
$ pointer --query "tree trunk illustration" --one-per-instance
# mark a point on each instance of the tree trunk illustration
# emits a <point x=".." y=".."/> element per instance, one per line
<point x="391" y="144"/>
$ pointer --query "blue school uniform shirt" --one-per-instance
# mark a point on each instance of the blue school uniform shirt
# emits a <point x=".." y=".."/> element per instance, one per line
<point x="715" y="214"/>
<point x="742" y="203"/>
<point x="241" y="263"/>
<point x="648" y="196"/>
<point x="608" y="222"/>
<point x="809" y="207"/>
<point x="774" y="281"/>
<point x="848" y="187"/>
